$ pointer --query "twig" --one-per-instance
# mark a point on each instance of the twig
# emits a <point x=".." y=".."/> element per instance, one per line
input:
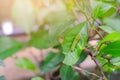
<point x="99" y="67"/>
<point x="95" y="39"/>
<point x="91" y="53"/>
<point x="93" y="74"/>
<point x="99" y="34"/>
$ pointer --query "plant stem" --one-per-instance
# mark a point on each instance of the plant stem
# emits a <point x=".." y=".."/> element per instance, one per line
<point x="99" y="68"/>
<point x="91" y="53"/>
<point x="93" y="74"/>
<point x="99" y="34"/>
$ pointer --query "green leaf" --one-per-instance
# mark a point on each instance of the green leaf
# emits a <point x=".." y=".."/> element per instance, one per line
<point x="70" y="36"/>
<point x="113" y="23"/>
<point x="111" y="37"/>
<point x="67" y="73"/>
<point x="2" y="63"/>
<point x="115" y="36"/>
<point x="52" y="60"/>
<point x="71" y="58"/>
<point x="106" y="28"/>
<point x="102" y="9"/>
<point x="2" y="78"/>
<point x="49" y="57"/>
<point x="100" y="50"/>
<point x="115" y="61"/>
<point x="109" y="68"/>
<point x="37" y="78"/>
<point x="110" y="12"/>
<point x="74" y="41"/>
<point x="102" y="61"/>
<point x="25" y="63"/>
<point x="83" y="56"/>
<point x="23" y="14"/>
<point x="112" y="49"/>
<point x="40" y="39"/>
<point x="9" y="47"/>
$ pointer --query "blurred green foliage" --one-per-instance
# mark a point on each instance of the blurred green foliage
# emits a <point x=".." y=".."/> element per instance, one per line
<point x="67" y="32"/>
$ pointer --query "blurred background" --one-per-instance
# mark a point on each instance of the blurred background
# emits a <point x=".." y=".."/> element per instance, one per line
<point x="18" y="18"/>
<point x="26" y="15"/>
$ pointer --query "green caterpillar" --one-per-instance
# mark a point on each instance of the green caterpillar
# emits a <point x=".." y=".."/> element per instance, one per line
<point x="77" y="38"/>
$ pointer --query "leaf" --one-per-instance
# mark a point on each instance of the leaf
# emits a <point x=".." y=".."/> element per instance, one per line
<point x="2" y="63"/>
<point x="74" y="42"/>
<point x="100" y="53"/>
<point x="113" y="23"/>
<point x="49" y="57"/>
<point x="115" y="61"/>
<point x="37" y="78"/>
<point x="2" y="78"/>
<point x="9" y="47"/>
<point x="110" y="12"/>
<point x="109" y="68"/>
<point x="115" y="36"/>
<point x="51" y="62"/>
<point x="102" y="9"/>
<point x="103" y="61"/>
<point x="23" y="14"/>
<point x="70" y="36"/>
<point x="112" y="49"/>
<point x="111" y="37"/>
<point x="67" y="73"/>
<point x="25" y="63"/>
<point x="106" y="28"/>
<point x="40" y="39"/>
<point x="83" y="56"/>
<point x="71" y="58"/>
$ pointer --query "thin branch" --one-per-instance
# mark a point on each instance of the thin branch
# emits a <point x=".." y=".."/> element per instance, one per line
<point x="90" y="73"/>
<point x="99" y="34"/>
<point x="99" y="68"/>
<point x="91" y="53"/>
<point x="94" y="39"/>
